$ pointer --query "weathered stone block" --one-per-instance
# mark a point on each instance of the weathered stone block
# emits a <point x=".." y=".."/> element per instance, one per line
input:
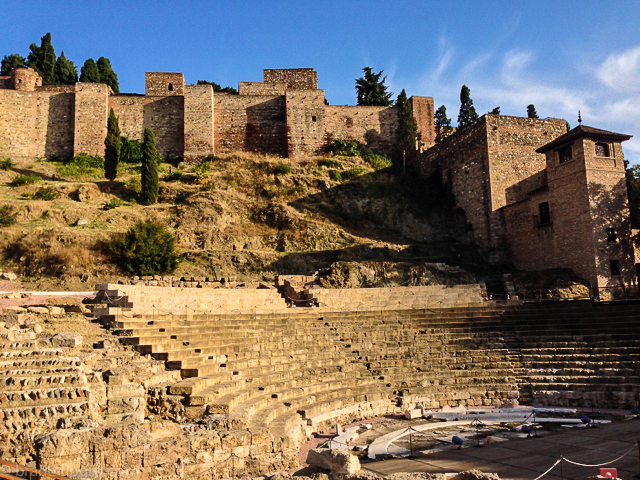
<point x="66" y="340"/>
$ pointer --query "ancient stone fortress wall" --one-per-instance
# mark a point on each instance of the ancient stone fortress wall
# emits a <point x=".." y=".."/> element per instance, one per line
<point x="489" y="165"/>
<point x="285" y="115"/>
<point x="587" y="221"/>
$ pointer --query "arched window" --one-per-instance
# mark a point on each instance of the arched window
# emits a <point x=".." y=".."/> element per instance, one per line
<point x="171" y="87"/>
<point x="565" y="154"/>
<point x="602" y="150"/>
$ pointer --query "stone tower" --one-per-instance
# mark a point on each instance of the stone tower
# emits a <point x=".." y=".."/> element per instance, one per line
<point x="583" y="215"/>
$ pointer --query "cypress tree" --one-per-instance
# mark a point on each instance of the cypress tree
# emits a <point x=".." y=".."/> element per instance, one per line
<point x="467" y="113"/>
<point x="112" y="144"/>
<point x="531" y="111"/>
<point x="442" y="124"/>
<point x="66" y="72"/>
<point x="107" y="75"/>
<point x="89" y="72"/>
<point x="407" y="126"/>
<point x="149" y="192"/>
<point x="371" y="90"/>
<point x="10" y="62"/>
<point x="43" y="60"/>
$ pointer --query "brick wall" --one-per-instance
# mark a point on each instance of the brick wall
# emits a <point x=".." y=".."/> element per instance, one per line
<point x="375" y="125"/>
<point x="162" y="84"/>
<point x="198" y="122"/>
<point x="250" y="122"/>
<point x="292" y="78"/>
<point x="129" y="108"/>
<point x="90" y="129"/>
<point x="305" y="123"/>
<point x="165" y="116"/>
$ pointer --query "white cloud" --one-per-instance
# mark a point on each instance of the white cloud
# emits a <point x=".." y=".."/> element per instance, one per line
<point x="621" y="71"/>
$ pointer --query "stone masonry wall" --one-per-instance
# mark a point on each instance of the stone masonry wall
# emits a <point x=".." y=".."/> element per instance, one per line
<point x="292" y="78"/>
<point x="37" y="123"/>
<point x="462" y="159"/>
<point x="259" y="88"/>
<point x="165" y="116"/>
<point x="129" y="108"/>
<point x="250" y="122"/>
<point x="198" y="122"/>
<point x="375" y="125"/>
<point x="90" y="129"/>
<point x="423" y="113"/>
<point x="162" y="84"/>
<point x="305" y="123"/>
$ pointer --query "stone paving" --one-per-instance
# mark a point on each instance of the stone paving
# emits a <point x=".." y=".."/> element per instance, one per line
<point x="527" y="459"/>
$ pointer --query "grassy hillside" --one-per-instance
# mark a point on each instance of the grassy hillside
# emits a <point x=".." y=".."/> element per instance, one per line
<point x="243" y="215"/>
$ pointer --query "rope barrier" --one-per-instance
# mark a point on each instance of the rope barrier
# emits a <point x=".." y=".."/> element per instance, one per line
<point x="551" y="468"/>
<point x="602" y="464"/>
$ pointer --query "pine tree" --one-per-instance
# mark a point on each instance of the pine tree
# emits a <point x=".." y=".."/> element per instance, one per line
<point x="149" y="192"/>
<point x="107" y="75"/>
<point x="371" y="90"/>
<point x="531" y="111"/>
<point x="66" y="72"/>
<point x="407" y="126"/>
<point x="43" y="60"/>
<point x="442" y="124"/>
<point x="10" y="62"/>
<point x="112" y="144"/>
<point x="217" y="87"/>
<point x="467" y="113"/>
<point x="495" y="111"/>
<point x="89" y="72"/>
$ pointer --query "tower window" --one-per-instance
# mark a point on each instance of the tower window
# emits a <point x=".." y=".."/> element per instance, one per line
<point x="612" y="237"/>
<point x="171" y="87"/>
<point x="565" y="154"/>
<point x="615" y="267"/>
<point x="313" y="118"/>
<point x="602" y="150"/>
<point x="545" y="214"/>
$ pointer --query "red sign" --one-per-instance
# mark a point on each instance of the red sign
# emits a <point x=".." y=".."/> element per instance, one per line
<point x="609" y="472"/>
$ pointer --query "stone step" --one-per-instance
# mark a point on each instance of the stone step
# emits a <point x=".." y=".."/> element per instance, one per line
<point x="38" y="418"/>
<point x="43" y="396"/>
<point x="33" y="379"/>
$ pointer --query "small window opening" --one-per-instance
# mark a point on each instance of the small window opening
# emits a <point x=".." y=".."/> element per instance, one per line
<point x="615" y="267"/>
<point x="313" y="118"/>
<point x="612" y="237"/>
<point x="602" y="150"/>
<point x="565" y="154"/>
<point x="19" y="80"/>
<point x="461" y="153"/>
<point x="545" y="214"/>
<point x="171" y="87"/>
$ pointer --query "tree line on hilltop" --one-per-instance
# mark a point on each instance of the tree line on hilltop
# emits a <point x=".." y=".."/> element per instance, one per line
<point x="60" y="70"/>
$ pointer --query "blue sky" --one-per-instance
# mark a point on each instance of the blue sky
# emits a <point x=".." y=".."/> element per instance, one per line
<point x="562" y="56"/>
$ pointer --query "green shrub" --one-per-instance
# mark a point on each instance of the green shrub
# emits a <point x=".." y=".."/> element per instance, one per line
<point x="348" y="148"/>
<point x="6" y="163"/>
<point x="171" y="159"/>
<point x="82" y="165"/>
<point x="113" y="203"/>
<point x="131" y="151"/>
<point x="282" y="168"/>
<point x="146" y="249"/>
<point x="377" y="161"/>
<point x="174" y="177"/>
<point x="22" y="180"/>
<point x="134" y="184"/>
<point x="7" y="216"/>
<point x="331" y="163"/>
<point x="46" y="193"/>
<point x="201" y="171"/>
<point x="347" y="175"/>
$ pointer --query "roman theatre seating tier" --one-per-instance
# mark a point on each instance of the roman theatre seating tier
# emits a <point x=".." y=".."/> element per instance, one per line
<point x="299" y="369"/>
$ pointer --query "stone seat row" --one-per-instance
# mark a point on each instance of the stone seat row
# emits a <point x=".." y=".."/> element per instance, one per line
<point x="21" y="381"/>
<point x="34" y="396"/>
<point x="37" y="419"/>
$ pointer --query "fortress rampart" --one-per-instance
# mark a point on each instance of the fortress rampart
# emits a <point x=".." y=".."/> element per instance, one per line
<point x="285" y="115"/>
